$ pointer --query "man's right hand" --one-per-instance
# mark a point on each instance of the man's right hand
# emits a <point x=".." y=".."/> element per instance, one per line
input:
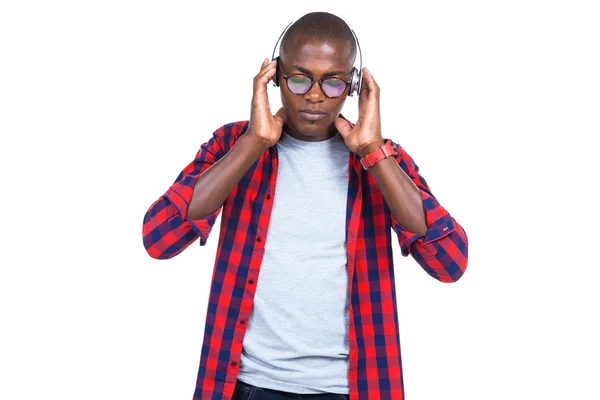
<point x="263" y="125"/>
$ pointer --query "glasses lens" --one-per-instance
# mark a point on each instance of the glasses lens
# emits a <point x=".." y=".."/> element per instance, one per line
<point x="299" y="84"/>
<point x="334" y="87"/>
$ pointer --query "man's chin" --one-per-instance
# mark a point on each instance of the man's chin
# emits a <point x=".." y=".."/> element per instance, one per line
<point x="312" y="127"/>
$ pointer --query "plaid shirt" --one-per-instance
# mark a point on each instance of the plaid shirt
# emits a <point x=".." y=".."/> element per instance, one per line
<point x="375" y="367"/>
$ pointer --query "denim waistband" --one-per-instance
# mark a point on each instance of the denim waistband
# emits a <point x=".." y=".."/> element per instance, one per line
<point x="290" y="394"/>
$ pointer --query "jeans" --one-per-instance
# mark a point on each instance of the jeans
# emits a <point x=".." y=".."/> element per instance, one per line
<point x="246" y="391"/>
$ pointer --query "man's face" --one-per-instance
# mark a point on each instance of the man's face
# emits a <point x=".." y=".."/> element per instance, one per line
<point x="316" y="59"/>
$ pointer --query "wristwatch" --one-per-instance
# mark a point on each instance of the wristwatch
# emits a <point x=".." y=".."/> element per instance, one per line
<point x="382" y="152"/>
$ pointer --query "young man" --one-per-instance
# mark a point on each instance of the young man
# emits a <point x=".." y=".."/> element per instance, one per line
<point x="302" y="300"/>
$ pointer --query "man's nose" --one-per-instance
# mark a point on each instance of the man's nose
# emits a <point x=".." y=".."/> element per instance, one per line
<point x="315" y="94"/>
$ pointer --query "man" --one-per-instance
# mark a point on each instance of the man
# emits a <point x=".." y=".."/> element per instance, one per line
<point x="301" y="212"/>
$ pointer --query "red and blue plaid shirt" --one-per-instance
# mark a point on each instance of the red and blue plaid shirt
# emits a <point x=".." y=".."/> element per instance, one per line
<point x="375" y="366"/>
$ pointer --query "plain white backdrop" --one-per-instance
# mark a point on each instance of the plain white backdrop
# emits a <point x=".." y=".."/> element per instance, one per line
<point x="103" y="103"/>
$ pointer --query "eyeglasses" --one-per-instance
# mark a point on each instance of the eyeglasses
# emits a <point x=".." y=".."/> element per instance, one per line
<point x="301" y="84"/>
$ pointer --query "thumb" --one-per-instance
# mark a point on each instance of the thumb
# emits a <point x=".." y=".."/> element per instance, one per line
<point x="342" y="126"/>
<point x="280" y="118"/>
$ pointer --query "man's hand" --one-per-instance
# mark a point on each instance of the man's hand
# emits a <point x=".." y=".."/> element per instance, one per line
<point x="263" y="125"/>
<point x="366" y="134"/>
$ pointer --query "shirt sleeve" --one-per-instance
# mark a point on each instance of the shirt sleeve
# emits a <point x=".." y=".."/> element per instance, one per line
<point x="167" y="230"/>
<point x="443" y="251"/>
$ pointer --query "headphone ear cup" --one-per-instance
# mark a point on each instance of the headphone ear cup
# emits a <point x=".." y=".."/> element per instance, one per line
<point x="276" y="77"/>
<point x="354" y="82"/>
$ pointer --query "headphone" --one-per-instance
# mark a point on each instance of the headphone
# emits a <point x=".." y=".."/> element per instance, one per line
<point x="355" y="81"/>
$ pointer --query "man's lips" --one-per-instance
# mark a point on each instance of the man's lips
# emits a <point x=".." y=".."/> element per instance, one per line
<point x="312" y="115"/>
<point x="312" y="111"/>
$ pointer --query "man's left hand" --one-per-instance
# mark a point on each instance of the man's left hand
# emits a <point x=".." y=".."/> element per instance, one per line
<point x="365" y="137"/>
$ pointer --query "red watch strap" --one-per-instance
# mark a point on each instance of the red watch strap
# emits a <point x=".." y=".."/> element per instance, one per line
<point x="381" y="153"/>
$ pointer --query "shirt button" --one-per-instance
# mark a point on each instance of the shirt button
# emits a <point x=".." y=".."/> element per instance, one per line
<point x="242" y="322"/>
<point x="234" y="363"/>
<point x="258" y="239"/>
<point x="268" y="197"/>
<point x="251" y="281"/>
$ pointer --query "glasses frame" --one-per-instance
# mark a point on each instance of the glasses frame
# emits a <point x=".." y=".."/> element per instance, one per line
<point x="320" y="80"/>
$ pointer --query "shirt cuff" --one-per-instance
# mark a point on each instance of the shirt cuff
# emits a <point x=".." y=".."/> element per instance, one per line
<point x="201" y="226"/>
<point x="438" y="220"/>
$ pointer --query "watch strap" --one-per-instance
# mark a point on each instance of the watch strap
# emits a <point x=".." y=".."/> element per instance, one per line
<point x="385" y="151"/>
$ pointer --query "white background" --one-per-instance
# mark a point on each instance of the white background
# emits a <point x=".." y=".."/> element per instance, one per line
<point x="103" y="103"/>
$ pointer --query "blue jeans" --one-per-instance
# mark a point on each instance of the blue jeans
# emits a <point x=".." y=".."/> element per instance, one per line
<point x="246" y="391"/>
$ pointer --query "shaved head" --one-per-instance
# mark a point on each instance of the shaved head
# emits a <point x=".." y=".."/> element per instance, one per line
<point x="324" y="27"/>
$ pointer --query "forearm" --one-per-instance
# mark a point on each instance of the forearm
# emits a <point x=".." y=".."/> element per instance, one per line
<point x="216" y="183"/>
<point x="399" y="191"/>
<point x="425" y="229"/>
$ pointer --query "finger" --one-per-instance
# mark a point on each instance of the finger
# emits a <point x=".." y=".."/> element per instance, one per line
<point x="266" y="65"/>
<point x="364" y="89"/>
<point x="271" y="66"/>
<point x="342" y="126"/>
<point x="271" y="69"/>
<point x="372" y="85"/>
<point x="261" y="81"/>
<point x="267" y="70"/>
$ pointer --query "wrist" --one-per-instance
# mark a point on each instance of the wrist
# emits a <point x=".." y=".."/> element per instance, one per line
<point x="370" y="147"/>
<point x="375" y="153"/>
<point x="256" y="141"/>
